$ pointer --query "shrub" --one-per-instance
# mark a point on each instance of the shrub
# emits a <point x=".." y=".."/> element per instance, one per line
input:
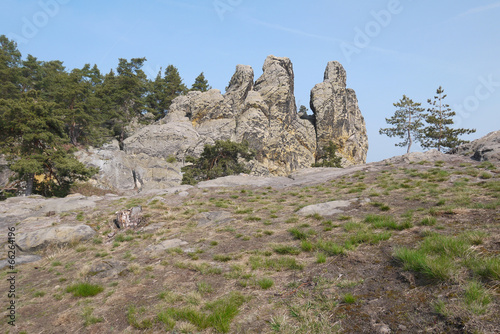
<point x="221" y="159"/>
<point x="327" y="157"/>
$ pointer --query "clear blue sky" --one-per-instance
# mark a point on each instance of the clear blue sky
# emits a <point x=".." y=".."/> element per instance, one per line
<point x="388" y="47"/>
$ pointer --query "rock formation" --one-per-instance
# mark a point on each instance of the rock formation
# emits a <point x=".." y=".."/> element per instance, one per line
<point x="485" y="148"/>
<point x="263" y="113"/>
<point x="338" y="118"/>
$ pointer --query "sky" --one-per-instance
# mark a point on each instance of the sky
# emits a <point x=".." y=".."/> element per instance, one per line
<point x="388" y="47"/>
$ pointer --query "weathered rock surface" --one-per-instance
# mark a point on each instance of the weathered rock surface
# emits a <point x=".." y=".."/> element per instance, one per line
<point x="167" y="244"/>
<point x="213" y="218"/>
<point x="21" y="259"/>
<point x="485" y="148"/>
<point x="324" y="209"/>
<point x="108" y="269"/>
<point x="5" y="172"/>
<point x="338" y="118"/>
<point x="429" y="156"/>
<point x="59" y="235"/>
<point x="119" y="170"/>
<point x="17" y="209"/>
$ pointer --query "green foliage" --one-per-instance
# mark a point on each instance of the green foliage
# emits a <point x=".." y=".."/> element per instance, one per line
<point x="406" y="123"/>
<point x="200" y="84"/>
<point x="221" y="159"/>
<point x="438" y="134"/>
<point x="33" y="138"/>
<point x="327" y="157"/>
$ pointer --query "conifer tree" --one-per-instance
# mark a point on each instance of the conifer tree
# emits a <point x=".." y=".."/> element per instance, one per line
<point x="10" y="61"/>
<point x="32" y="136"/>
<point x="221" y="159"/>
<point x="438" y="134"/>
<point x="173" y="85"/>
<point x="406" y="121"/>
<point x="200" y="84"/>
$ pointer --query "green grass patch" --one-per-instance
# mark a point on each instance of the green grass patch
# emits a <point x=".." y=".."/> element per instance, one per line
<point x="477" y="298"/>
<point x="286" y="249"/>
<point x="265" y="283"/>
<point x="84" y="289"/>
<point x="217" y="314"/>
<point x="329" y="247"/>
<point x="275" y="263"/>
<point x="222" y="258"/>
<point x="387" y="222"/>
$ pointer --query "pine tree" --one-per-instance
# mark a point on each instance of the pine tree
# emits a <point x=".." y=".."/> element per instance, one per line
<point x="200" y="84"/>
<point x="81" y="108"/>
<point x="438" y="134"/>
<point x="407" y="122"/>
<point x="33" y="138"/>
<point x="156" y="97"/>
<point x="10" y="61"/>
<point x="221" y="159"/>
<point x="173" y="85"/>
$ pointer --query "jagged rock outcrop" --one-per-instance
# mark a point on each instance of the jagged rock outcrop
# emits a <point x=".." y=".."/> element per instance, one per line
<point x="338" y="118"/>
<point x="263" y="113"/>
<point x="485" y="148"/>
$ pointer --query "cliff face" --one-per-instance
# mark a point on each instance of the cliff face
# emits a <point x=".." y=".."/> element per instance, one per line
<point x="263" y="113"/>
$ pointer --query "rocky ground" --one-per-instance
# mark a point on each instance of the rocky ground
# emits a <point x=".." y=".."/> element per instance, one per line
<point x="407" y="245"/>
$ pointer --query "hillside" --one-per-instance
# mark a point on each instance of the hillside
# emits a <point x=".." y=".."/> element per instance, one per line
<point x="407" y="245"/>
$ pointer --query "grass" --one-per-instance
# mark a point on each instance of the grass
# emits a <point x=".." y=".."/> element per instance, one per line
<point x="362" y="237"/>
<point x="265" y="283"/>
<point x="330" y="248"/>
<point x="222" y="258"/>
<point x="277" y="264"/>
<point x="285" y="249"/>
<point x="298" y="234"/>
<point x="428" y="221"/>
<point x="132" y="318"/>
<point x="387" y="222"/>
<point x="320" y="258"/>
<point x="348" y="298"/>
<point x="204" y="288"/>
<point x="217" y="314"/>
<point x="84" y="289"/>
<point x="477" y="298"/>
<point x="442" y="257"/>
<point x="88" y="318"/>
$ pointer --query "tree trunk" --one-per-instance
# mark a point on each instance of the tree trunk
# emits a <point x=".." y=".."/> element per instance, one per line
<point x="29" y="184"/>
<point x="409" y="144"/>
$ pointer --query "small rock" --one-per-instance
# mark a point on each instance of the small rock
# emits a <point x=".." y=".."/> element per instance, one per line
<point x="324" y="209"/>
<point x="167" y="244"/>
<point x="107" y="269"/>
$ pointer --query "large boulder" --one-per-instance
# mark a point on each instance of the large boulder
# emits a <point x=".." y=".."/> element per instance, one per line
<point x="58" y="235"/>
<point x="338" y="118"/>
<point x="485" y="148"/>
<point x="119" y="170"/>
